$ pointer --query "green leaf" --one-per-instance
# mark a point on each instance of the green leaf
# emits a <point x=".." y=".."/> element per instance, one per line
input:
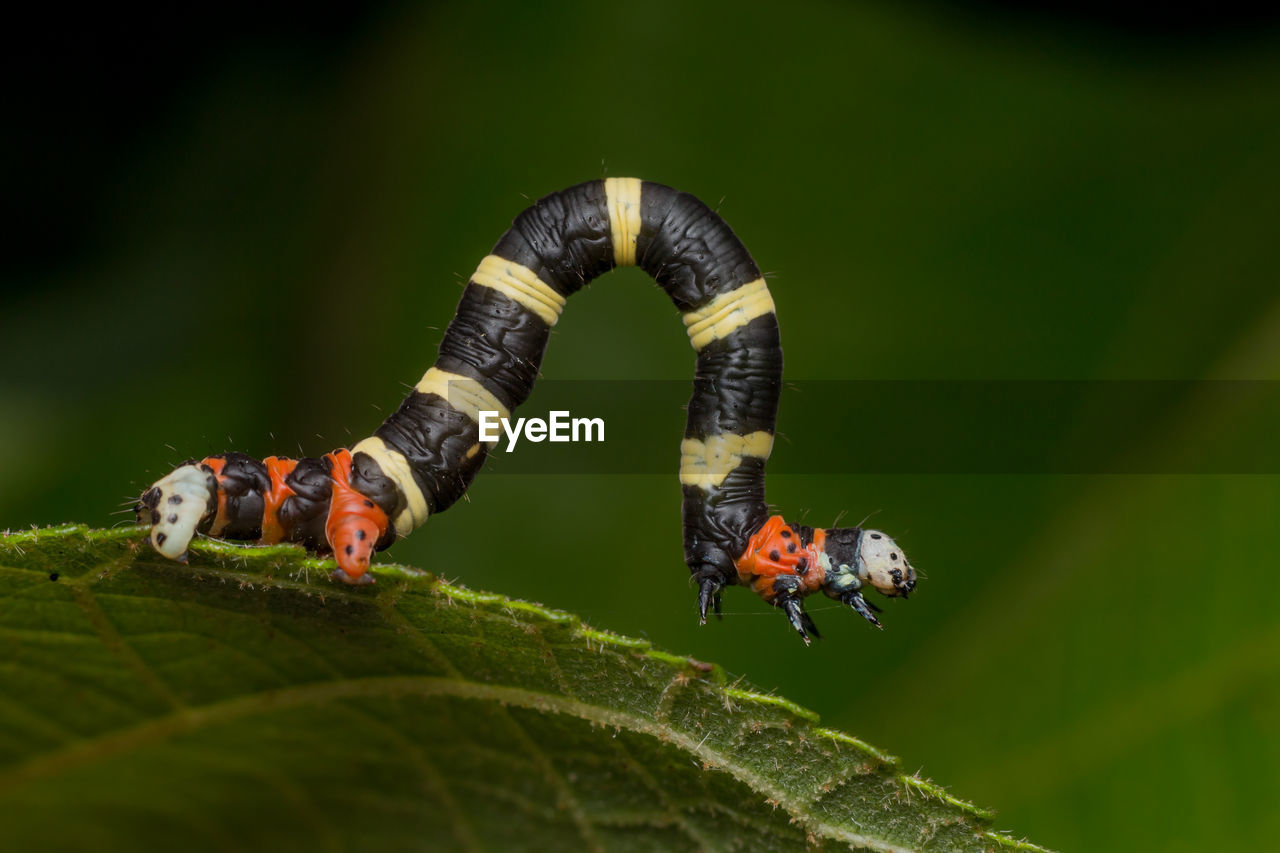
<point x="245" y="701"/>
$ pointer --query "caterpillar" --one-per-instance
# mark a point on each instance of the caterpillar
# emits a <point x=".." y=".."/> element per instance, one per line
<point x="358" y="500"/>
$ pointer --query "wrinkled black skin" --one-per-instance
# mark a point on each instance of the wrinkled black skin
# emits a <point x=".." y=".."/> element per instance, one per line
<point x="303" y="514"/>
<point x="368" y="479"/>
<point x="694" y="256"/>
<point x="565" y="239"/>
<point x="842" y="545"/>
<point x="244" y="481"/>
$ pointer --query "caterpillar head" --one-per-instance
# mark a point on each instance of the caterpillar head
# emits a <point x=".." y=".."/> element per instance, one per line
<point x="860" y="557"/>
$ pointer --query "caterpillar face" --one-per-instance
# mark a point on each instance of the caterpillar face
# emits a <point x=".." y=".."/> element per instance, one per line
<point x="175" y="506"/>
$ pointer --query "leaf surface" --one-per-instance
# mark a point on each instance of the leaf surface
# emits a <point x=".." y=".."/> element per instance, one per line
<point x="246" y="701"/>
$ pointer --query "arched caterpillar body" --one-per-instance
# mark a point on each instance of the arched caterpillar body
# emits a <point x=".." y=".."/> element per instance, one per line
<point x="421" y="460"/>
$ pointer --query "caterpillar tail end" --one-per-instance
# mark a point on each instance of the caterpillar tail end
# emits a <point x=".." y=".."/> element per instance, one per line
<point x="175" y="506"/>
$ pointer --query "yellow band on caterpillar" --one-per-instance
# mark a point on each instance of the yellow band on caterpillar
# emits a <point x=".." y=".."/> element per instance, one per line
<point x="394" y="465"/>
<point x="463" y="393"/>
<point x="520" y="284"/>
<point x="727" y="312"/>
<point x="705" y="464"/>
<point x="622" y="198"/>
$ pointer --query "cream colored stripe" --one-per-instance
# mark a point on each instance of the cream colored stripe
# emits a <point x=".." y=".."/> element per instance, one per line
<point x="522" y="285"/>
<point x="463" y="393"/>
<point x="394" y="464"/>
<point x="705" y="464"/>
<point x="622" y="198"/>
<point x="727" y="312"/>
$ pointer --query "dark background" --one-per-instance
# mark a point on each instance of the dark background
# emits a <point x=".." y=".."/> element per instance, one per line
<point x="230" y="235"/>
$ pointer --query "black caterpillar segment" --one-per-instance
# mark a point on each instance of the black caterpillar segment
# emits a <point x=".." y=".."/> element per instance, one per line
<point x="564" y="240"/>
<point x="422" y="459"/>
<point x="688" y="249"/>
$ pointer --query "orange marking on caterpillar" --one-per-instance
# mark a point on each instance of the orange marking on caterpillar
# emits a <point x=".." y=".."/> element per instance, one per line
<point x="775" y="550"/>
<point x="278" y="469"/>
<point x="221" y="520"/>
<point x="354" y="525"/>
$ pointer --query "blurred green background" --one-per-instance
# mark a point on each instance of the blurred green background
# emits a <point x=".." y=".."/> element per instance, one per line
<point x="253" y="241"/>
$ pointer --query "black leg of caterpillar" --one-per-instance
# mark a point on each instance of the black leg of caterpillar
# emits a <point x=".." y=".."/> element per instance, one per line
<point x="808" y="623"/>
<point x="708" y="598"/>
<point x="801" y="621"/>
<point x="860" y="604"/>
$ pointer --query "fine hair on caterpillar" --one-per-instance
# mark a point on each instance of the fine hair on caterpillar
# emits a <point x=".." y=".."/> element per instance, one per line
<point x="357" y="500"/>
